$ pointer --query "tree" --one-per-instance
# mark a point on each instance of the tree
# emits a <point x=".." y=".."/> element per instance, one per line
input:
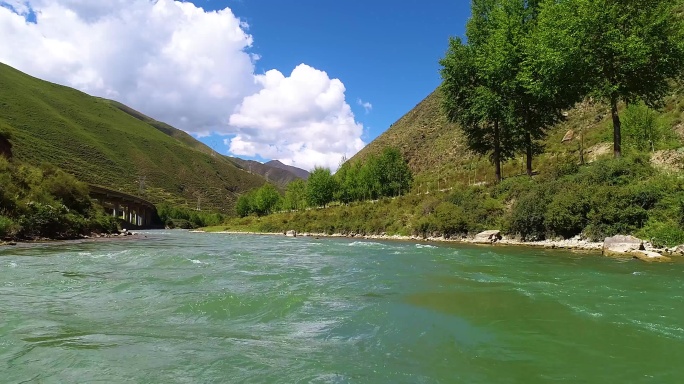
<point x="266" y="200"/>
<point x="395" y="175"/>
<point x="320" y="187"/>
<point x="295" y="195"/>
<point x="614" y="50"/>
<point x="244" y="204"/>
<point x="531" y="110"/>
<point x="472" y="89"/>
<point x="642" y="128"/>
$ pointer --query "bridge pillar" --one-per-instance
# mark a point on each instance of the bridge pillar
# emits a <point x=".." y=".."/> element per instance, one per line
<point x="129" y="214"/>
<point x="134" y="218"/>
<point x="116" y="213"/>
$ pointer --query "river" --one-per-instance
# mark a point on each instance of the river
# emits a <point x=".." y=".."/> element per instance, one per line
<point x="179" y="307"/>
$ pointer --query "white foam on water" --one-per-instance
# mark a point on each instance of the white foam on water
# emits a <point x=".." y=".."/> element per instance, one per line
<point x="673" y="332"/>
<point x="365" y="244"/>
<point x="425" y="246"/>
<point x="584" y="311"/>
<point x="311" y="329"/>
<point x="196" y="261"/>
<point x="109" y="255"/>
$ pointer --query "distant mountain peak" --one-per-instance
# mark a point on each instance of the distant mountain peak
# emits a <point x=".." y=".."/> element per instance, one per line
<point x="301" y="173"/>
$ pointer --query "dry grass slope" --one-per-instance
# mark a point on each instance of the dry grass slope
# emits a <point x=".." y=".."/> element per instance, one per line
<point x="437" y="154"/>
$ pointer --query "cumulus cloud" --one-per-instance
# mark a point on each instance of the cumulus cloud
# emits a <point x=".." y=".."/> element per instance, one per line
<point x="181" y="64"/>
<point x="302" y="119"/>
<point x="366" y="105"/>
<point x="170" y="59"/>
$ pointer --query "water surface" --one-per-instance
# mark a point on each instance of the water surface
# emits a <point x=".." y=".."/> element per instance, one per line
<point x="181" y="307"/>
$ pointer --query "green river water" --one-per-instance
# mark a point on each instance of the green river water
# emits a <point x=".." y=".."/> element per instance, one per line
<point x="179" y="307"/>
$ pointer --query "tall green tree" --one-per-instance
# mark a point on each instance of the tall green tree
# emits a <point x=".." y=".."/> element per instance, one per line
<point x="395" y="175"/>
<point x="529" y="110"/>
<point x="295" y="195"/>
<point x="614" y="50"/>
<point x="320" y="187"/>
<point x="370" y="175"/>
<point x="245" y="203"/>
<point x="266" y="200"/>
<point x="473" y="97"/>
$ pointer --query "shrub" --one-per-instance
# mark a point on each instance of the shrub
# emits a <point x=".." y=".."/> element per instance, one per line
<point x="615" y="210"/>
<point x="566" y="214"/>
<point x="663" y="234"/>
<point x="8" y="228"/>
<point x="449" y="220"/>
<point x="527" y="216"/>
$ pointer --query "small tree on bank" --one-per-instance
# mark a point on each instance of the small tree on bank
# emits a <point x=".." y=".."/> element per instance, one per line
<point x="320" y="187"/>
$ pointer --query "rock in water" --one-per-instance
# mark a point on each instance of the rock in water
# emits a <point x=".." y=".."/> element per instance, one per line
<point x="487" y="237"/>
<point x="621" y="246"/>
<point x="291" y="233"/>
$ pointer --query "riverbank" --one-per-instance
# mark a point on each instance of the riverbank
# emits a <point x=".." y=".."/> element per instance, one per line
<point x="86" y="238"/>
<point x="648" y="252"/>
<point x="572" y="244"/>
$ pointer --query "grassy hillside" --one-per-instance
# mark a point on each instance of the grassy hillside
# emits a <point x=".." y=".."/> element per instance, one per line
<point x="99" y="143"/>
<point x="435" y="149"/>
<point x="273" y="174"/>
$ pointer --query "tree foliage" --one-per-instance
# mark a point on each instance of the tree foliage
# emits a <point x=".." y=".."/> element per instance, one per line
<point x="613" y="50"/>
<point x="46" y="202"/>
<point x="262" y="201"/>
<point x="487" y="84"/>
<point x="320" y="187"/>
<point x="386" y="175"/>
<point x="525" y="61"/>
<point x="295" y="195"/>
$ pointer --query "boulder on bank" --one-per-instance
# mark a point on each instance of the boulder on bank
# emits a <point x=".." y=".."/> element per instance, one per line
<point x="678" y="250"/>
<point x="488" y="237"/>
<point x="291" y="233"/>
<point x="649" y="256"/>
<point x="621" y="246"/>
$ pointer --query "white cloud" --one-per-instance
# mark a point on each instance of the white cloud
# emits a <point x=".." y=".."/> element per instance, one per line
<point x="303" y="120"/>
<point x="186" y="66"/>
<point x="366" y="105"/>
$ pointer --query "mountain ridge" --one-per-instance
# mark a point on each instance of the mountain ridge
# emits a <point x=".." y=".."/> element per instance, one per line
<point x="300" y="173"/>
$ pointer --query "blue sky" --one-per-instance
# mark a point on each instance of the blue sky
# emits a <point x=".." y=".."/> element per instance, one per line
<point x="385" y="52"/>
<point x="307" y="82"/>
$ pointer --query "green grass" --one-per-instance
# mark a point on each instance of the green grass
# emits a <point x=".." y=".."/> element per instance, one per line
<point x="105" y="143"/>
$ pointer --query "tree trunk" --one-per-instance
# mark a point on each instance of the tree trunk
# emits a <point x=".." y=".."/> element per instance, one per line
<point x="617" y="136"/>
<point x="581" y="146"/>
<point x="529" y="154"/>
<point x="497" y="152"/>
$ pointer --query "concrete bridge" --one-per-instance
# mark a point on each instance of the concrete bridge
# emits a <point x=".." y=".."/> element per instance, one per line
<point x="132" y="209"/>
